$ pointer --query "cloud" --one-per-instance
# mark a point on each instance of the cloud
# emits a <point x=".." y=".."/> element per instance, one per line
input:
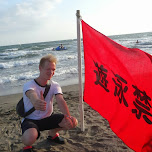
<point x="26" y="15"/>
<point x="36" y="8"/>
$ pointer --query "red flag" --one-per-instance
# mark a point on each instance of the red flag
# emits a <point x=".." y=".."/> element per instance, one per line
<point x="118" y="84"/>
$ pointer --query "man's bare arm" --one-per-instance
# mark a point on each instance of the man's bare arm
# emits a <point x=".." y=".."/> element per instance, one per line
<point x="38" y="103"/>
<point x="62" y="104"/>
<point x="68" y="122"/>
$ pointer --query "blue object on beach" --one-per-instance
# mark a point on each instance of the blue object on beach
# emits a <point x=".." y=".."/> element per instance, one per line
<point x="59" y="48"/>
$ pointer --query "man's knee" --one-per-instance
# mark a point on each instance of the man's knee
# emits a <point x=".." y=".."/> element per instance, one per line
<point x="68" y="122"/>
<point x="29" y="136"/>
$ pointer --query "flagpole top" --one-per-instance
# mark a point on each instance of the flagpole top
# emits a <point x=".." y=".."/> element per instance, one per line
<point x="78" y="14"/>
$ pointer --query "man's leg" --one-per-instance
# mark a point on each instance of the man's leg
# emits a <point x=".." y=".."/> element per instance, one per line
<point x="66" y="124"/>
<point x="52" y="132"/>
<point x="30" y="133"/>
<point x="60" y="122"/>
<point x="29" y="136"/>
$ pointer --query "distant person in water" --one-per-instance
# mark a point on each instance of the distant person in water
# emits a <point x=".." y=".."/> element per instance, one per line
<point x="61" y="46"/>
<point x="137" y="41"/>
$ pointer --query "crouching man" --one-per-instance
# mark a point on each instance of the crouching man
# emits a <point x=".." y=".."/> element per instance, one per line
<point x="43" y="117"/>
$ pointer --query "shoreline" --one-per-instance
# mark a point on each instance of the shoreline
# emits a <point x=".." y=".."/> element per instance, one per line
<point x="97" y="137"/>
<point x="64" y="88"/>
<point x="18" y="89"/>
<point x="13" y="98"/>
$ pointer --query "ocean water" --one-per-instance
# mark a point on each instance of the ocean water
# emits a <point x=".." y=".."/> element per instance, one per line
<point x="19" y="63"/>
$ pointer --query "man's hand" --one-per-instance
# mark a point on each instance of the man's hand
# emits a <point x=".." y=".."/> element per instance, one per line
<point x="68" y="122"/>
<point x="71" y="122"/>
<point x="39" y="104"/>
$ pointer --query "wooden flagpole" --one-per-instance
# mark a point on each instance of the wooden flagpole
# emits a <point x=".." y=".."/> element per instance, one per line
<point x="80" y="70"/>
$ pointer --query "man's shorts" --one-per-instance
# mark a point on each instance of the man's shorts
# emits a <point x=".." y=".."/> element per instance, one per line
<point x="48" y="123"/>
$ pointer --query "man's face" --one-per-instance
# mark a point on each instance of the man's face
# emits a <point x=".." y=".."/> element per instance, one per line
<point x="48" y="70"/>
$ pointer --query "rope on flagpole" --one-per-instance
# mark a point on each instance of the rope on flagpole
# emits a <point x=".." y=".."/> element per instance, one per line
<point x="80" y="70"/>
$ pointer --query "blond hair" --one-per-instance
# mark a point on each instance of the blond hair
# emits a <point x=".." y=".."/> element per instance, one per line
<point x="49" y="58"/>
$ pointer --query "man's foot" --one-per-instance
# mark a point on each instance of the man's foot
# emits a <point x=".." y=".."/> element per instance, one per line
<point x="56" y="139"/>
<point x="28" y="149"/>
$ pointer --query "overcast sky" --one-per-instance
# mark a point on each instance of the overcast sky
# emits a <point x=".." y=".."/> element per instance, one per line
<point x="28" y="21"/>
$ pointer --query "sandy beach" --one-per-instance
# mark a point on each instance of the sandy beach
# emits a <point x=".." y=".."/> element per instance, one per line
<point x="97" y="136"/>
